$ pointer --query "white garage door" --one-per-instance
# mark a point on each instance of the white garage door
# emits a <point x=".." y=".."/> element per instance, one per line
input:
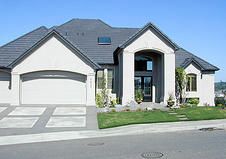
<point x="53" y="87"/>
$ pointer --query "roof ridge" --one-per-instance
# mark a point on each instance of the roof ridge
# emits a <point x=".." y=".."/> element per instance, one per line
<point x="66" y="22"/>
<point x="104" y="23"/>
<point x="73" y="19"/>
<point x="162" y="33"/>
<point x="189" y="60"/>
<point x="124" y="28"/>
<point x="23" y="36"/>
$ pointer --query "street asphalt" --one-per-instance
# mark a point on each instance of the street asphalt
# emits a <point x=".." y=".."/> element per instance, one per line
<point x="194" y="144"/>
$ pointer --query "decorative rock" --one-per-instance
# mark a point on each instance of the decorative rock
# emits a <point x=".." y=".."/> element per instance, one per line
<point x="132" y="104"/>
<point x="118" y="106"/>
<point x="183" y="118"/>
<point x="172" y="113"/>
<point x="149" y="108"/>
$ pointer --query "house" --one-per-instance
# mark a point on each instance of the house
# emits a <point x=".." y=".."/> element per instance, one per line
<point x="65" y="64"/>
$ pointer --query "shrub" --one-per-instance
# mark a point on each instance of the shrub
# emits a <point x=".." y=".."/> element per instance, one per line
<point x="138" y="96"/>
<point x="113" y="103"/>
<point x="185" y="105"/>
<point x="193" y="101"/>
<point x="99" y="100"/>
<point x="219" y="101"/>
<point x="113" y="110"/>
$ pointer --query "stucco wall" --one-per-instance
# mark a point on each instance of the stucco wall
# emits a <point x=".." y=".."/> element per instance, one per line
<point x="4" y="87"/>
<point x="151" y="42"/>
<point x="53" y="55"/>
<point x="205" y="86"/>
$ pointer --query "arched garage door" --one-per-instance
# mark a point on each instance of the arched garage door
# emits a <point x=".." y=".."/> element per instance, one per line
<point x="53" y="87"/>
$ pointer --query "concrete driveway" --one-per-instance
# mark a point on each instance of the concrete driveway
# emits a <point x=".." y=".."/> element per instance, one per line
<point x="27" y="119"/>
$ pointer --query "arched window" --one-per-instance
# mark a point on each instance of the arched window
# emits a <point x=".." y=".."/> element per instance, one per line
<point x="191" y="83"/>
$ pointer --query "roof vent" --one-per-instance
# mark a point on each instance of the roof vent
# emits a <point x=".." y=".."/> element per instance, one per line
<point x="104" y="40"/>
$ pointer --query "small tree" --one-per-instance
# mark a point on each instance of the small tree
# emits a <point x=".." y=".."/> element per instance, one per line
<point x="180" y="83"/>
<point x="104" y="92"/>
<point x="102" y="97"/>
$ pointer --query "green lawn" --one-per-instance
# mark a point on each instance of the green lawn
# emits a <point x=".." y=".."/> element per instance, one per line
<point x="203" y="113"/>
<point x="113" y="119"/>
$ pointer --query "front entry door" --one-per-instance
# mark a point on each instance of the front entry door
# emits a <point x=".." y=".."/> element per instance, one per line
<point x="144" y="83"/>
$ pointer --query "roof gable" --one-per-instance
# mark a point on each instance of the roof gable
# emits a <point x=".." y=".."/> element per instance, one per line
<point x="155" y="30"/>
<point x="12" y="50"/>
<point x="44" y="39"/>
<point x="184" y="58"/>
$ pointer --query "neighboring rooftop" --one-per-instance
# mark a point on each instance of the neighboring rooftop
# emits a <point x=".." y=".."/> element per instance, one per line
<point x="84" y="33"/>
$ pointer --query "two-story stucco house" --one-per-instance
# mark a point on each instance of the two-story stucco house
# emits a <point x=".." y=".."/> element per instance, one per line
<point x="65" y="65"/>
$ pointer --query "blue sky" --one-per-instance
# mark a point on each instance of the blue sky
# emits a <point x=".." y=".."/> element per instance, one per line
<point x="196" y="25"/>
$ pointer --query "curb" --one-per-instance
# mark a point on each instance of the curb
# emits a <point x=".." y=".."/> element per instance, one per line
<point x="119" y="131"/>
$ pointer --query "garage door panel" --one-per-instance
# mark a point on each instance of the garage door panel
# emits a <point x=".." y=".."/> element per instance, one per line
<point x="53" y="90"/>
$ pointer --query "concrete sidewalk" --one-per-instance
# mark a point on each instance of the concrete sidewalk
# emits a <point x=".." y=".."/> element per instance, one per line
<point x="124" y="130"/>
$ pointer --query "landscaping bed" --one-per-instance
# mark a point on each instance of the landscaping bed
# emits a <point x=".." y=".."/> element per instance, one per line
<point x="114" y="119"/>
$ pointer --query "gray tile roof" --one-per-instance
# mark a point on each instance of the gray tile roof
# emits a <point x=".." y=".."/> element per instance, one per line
<point x="83" y="34"/>
<point x="184" y="58"/>
<point x="14" y="49"/>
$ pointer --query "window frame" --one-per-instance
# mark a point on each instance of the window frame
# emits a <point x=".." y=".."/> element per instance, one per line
<point x="97" y="78"/>
<point x="191" y="85"/>
<point x="112" y="80"/>
<point x="106" y="40"/>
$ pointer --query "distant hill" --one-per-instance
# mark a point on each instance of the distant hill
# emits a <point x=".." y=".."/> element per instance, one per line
<point x="220" y="86"/>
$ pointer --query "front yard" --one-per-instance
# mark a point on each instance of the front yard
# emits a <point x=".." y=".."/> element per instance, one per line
<point x="114" y="119"/>
<point x="203" y="113"/>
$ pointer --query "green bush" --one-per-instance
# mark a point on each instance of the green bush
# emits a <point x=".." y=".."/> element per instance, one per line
<point x="113" y="110"/>
<point x="99" y="100"/>
<point x="219" y="101"/>
<point x="185" y="105"/>
<point x="113" y="103"/>
<point x="138" y="95"/>
<point x="193" y="101"/>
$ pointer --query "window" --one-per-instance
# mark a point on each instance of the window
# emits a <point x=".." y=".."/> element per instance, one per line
<point x="100" y="79"/>
<point x="191" y="83"/>
<point x="104" y="40"/>
<point x="149" y="65"/>
<point x="143" y="63"/>
<point x="110" y="79"/>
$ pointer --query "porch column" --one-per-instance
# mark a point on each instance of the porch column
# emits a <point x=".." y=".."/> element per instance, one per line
<point x="153" y="93"/>
<point x="15" y="88"/>
<point x="90" y="90"/>
<point x="169" y="75"/>
<point x="128" y="77"/>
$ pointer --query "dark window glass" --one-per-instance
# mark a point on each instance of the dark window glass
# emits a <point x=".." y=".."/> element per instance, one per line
<point x="100" y="79"/>
<point x="191" y="83"/>
<point x="104" y="40"/>
<point x="143" y="63"/>
<point x="110" y="79"/>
